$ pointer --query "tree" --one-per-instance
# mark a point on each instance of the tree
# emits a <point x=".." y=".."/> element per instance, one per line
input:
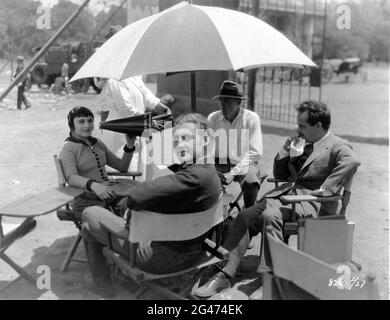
<point x="148" y="6"/>
<point x="369" y="35"/>
<point x="18" y="27"/>
<point x="80" y="29"/>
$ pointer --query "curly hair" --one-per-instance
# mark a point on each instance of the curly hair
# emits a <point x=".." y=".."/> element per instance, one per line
<point x="316" y="112"/>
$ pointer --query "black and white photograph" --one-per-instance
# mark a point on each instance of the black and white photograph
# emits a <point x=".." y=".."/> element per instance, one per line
<point x="157" y="150"/>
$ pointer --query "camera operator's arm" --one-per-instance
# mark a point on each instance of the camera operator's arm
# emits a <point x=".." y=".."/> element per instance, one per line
<point x="161" y="109"/>
<point x="152" y="103"/>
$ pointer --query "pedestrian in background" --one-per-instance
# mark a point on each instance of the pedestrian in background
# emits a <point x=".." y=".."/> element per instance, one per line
<point x="21" y="85"/>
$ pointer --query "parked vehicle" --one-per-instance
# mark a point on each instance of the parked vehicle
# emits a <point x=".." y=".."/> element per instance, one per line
<point x="75" y="55"/>
<point x="303" y="76"/>
<point x="342" y="68"/>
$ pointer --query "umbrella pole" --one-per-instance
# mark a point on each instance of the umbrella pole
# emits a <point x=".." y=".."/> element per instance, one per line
<point x="193" y="92"/>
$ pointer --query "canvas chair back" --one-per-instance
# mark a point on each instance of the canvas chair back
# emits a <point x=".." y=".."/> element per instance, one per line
<point x="60" y="172"/>
<point x="152" y="226"/>
<point x="62" y="183"/>
<point x="315" y="276"/>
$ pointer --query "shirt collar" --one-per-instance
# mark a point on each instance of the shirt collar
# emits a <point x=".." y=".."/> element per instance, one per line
<point x="75" y="140"/>
<point x="317" y="143"/>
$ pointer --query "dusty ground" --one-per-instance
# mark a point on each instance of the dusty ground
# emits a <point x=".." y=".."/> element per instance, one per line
<point x="28" y="139"/>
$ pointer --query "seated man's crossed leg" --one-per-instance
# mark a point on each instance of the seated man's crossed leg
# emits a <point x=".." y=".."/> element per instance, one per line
<point x="248" y="223"/>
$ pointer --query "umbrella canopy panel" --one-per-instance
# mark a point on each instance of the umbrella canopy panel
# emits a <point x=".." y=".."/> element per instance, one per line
<point x="188" y="37"/>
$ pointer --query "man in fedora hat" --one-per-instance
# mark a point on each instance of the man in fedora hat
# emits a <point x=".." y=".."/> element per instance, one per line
<point x="239" y="144"/>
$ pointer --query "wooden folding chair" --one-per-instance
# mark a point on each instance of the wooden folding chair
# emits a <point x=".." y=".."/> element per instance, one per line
<point x="9" y="233"/>
<point x="291" y="227"/>
<point x="66" y="213"/>
<point x="151" y="226"/>
<point x="29" y="207"/>
<point x="295" y="274"/>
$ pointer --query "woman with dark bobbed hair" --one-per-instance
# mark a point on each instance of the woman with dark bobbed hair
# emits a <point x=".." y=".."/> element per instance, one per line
<point x="84" y="159"/>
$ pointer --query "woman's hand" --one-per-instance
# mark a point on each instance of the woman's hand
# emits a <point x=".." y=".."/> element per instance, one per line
<point x="102" y="191"/>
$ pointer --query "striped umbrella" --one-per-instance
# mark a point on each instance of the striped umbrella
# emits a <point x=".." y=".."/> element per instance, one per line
<point x="190" y="37"/>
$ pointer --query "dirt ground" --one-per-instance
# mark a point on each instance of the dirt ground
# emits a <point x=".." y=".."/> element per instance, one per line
<point x="29" y="138"/>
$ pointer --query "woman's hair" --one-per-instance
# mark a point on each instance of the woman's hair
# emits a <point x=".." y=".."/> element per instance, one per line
<point x="196" y="118"/>
<point x="78" y="112"/>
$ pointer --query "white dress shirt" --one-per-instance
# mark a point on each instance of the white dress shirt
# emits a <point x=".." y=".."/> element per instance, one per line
<point x="126" y="97"/>
<point x="240" y="141"/>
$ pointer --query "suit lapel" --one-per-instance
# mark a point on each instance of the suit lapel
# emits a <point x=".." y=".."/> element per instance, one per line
<point x="320" y="149"/>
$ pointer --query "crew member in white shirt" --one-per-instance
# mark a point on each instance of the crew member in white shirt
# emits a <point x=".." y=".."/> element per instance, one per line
<point x="238" y="141"/>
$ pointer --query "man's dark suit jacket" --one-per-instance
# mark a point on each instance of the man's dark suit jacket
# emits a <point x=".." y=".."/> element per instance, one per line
<point x="330" y="166"/>
<point x="192" y="188"/>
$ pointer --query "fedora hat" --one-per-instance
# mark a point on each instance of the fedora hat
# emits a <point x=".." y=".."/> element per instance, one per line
<point x="230" y="89"/>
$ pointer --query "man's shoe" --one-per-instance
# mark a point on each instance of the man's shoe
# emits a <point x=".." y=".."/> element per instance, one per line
<point x="103" y="288"/>
<point x="216" y="284"/>
<point x="257" y="294"/>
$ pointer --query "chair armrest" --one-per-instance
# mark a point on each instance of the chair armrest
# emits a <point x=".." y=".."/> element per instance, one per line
<point x="125" y="174"/>
<point x="308" y="197"/>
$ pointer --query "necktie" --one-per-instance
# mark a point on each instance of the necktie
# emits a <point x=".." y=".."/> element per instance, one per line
<point x="308" y="150"/>
<point x="295" y="164"/>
